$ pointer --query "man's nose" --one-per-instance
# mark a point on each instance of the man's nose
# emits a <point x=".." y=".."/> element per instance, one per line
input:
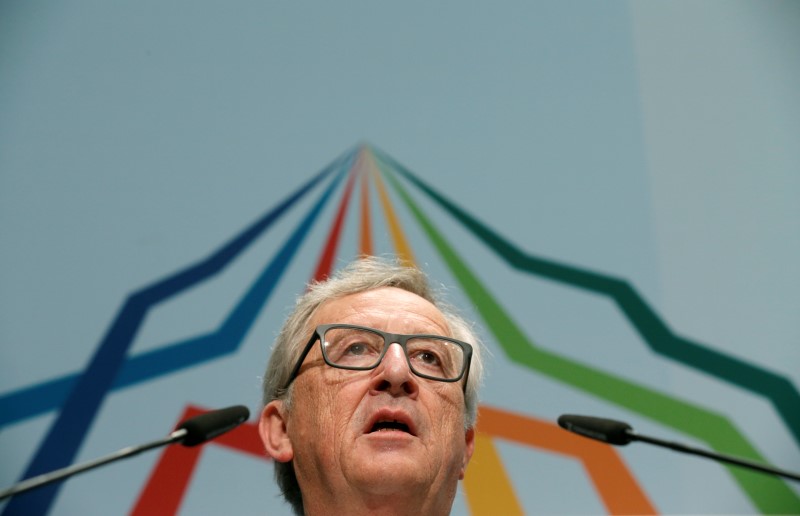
<point x="394" y="375"/>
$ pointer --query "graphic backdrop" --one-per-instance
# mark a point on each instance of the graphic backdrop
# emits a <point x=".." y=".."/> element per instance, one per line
<point x="608" y="191"/>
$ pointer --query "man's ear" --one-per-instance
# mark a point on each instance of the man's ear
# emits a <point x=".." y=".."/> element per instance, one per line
<point x="272" y="428"/>
<point x="469" y="440"/>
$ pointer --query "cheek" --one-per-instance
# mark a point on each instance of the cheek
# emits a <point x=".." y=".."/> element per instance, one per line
<point x="448" y="415"/>
<point x="310" y="431"/>
<point x="449" y="402"/>
<point x="324" y="408"/>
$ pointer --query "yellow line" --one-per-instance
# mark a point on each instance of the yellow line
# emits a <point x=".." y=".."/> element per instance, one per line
<point x="401" y="244"/>
<point x="486" y="484"/>
<point x="365" y="246"/>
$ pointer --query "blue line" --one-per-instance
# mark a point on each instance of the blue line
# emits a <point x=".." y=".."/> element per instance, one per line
<point x="229" y="336"/>
<point x="41" y="398"/>
<point x="35" y="400"/>
<point x="80" y="408"/>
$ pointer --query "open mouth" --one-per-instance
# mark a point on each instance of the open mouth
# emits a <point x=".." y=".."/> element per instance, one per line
<point x="388" y="420"/>
<point x="390" y="426"/>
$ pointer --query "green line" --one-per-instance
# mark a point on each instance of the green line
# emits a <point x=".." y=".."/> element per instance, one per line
<point x="770" y="495"/>
<point x="777" y="389"/>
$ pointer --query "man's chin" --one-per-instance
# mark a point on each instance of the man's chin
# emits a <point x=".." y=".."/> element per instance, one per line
<point x="396" y="457"/>
<point x="386" y="477"/>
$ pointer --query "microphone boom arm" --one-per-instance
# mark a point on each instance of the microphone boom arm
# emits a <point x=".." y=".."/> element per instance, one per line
<point x="610" y="431"/>
<point x="191" y="432"/>
<point x="728" y="459"/>
<point x="61" y="474"/>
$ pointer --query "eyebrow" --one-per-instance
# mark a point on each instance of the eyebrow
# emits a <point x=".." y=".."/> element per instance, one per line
<point x="435" y="329"/>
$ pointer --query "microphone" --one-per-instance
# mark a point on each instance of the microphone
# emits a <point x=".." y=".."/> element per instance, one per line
<point x="606" y="430"/>
<point x="205" y="427"/>
<point x="191" y="432"/>
<point x="619" y="433"/>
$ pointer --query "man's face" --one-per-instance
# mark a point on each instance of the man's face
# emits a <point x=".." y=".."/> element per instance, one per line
<point x="380" y="431"/>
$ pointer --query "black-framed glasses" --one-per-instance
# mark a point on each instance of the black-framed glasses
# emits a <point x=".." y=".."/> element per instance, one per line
<point x="359" y="348"/>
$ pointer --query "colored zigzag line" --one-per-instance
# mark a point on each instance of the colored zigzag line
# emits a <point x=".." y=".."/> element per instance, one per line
<point x="184" y="354"/>
<point x="779" y="390"/>
<point x="768" y="494"/>
<point x="110" y="368"/>
<point x="487" y="487"/>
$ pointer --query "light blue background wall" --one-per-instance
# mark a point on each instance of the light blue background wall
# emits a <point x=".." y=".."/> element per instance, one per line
<point x="656" y="142"/>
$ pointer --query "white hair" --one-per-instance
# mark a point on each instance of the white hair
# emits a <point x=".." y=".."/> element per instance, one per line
<point x="368" y="273"/>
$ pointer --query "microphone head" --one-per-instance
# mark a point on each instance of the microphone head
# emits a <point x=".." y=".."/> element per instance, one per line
<point x="606" y="430"/>
<point x="205" y="427"/>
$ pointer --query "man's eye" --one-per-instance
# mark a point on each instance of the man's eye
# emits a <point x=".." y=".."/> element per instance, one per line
<point x="427" y="358"/>
<point x="356" y="349"/>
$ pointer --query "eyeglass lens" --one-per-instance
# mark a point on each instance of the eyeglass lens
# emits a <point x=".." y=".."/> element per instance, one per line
<point x="430" y="356"/>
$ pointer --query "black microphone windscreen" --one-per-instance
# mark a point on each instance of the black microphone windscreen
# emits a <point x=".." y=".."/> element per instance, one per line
<point x="606" y="430"/>
<point x="211" y="424"/>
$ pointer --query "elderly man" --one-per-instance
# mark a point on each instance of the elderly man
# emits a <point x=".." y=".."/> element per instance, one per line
<point x="371" y="396"/>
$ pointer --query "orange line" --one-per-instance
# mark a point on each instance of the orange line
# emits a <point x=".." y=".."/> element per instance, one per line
<point x="487" y="486"/>
<point x="400" y="242"/>
<point x="615" y="484"/>
<point x="366" y="247"/>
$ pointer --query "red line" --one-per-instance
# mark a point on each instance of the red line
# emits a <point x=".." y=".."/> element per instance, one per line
<point x="167" y="485"/>
<point x="326" y="260"/>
